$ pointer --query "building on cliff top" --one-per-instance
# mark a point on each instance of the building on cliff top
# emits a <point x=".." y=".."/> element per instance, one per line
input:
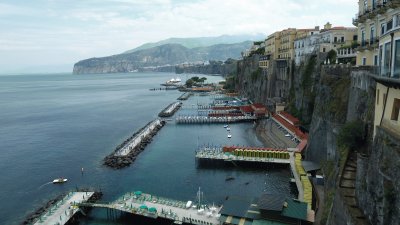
<point x="337" y="38"/>
<point x="378" y="24"/>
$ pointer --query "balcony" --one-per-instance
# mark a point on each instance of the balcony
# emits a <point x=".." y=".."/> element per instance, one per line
<point x="371" y="12"/>
<point x="368" y="44"/>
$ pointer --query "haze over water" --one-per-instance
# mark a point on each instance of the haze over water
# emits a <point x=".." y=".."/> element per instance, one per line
<point x="53" y="125"/>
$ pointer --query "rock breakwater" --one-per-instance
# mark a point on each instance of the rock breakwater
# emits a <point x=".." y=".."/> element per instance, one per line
<point x="126" y="153"/>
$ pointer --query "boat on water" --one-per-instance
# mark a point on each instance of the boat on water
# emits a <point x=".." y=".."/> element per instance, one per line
<point x="229" y="135"/>
<point x="228" y="128"/>
<point x="173" y="82"/>
<point x="229" y="178"/>
<point x="60" y="180"/>
<point x="226" y="125"/>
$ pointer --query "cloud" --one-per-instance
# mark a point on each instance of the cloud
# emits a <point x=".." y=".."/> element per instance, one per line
<point x="82" y="29"/>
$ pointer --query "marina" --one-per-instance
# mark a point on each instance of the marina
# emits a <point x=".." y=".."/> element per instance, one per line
<point x="207" y="119"/>
<point x="170" y="110"/>
<point x="152" y="206"/>
<point x="126" y="153"/>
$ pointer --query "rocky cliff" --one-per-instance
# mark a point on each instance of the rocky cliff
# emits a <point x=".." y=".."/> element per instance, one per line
<point x="161" y="56"/>
<point x="327" y="98"/>
<point x="229" y="67"/>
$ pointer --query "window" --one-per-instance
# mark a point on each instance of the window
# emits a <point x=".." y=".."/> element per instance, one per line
<point x="377" y="96"/>
<point x="323" y="49"/>
<point x="375" y="60"/>
<point x="363" y="38"/>
<point x="372" y="34"/>
<point x="389" y="25"/>
<point x="384" y="98"/>
<point x="373" y="4"/>
<point x="383" y="28"/>
<point x="395" y="110"/>
<point x="342" y="39"/>
<point x="365" y="5"/>
<point x="396" y="65"/>
<point x="364" y="61"/>
<point x="381" y="60"/>
<point x="386" y="60"/>
<point x="335" y="39"/>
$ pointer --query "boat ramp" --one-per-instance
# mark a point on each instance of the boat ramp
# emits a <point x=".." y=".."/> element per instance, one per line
<point x="126" y="152"/>
<point x="63" y="210"/>
<point x="170" y="110"/>
<point x="148" y="205"/>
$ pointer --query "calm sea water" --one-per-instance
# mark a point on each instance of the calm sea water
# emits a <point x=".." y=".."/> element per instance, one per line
<point x="53" y="125"/>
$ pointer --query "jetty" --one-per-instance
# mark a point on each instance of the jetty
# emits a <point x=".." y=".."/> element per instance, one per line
<point x="185" y="96"/>
<point x="152" y="206"/>
<point x="62" y="210"/>
<point x="170" y="110"/>
<point x="126" y="153"/>
<point x="211" y="119"/>
<point x="278" y="156"/>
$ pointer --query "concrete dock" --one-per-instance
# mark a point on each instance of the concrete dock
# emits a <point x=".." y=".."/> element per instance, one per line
<point x="137" y="139"/>
<point x="218" y="154"/>
<point x="185" y="96"/>
<point x="153" y="206"/>
<point x="170" y="110"/>
<point x="64" y="209"/>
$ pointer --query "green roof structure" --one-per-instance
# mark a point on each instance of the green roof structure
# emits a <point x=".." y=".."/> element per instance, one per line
<point x="295" y="209"/>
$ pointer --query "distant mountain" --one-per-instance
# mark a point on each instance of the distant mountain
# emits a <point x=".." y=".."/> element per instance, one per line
<point x="201" y="41"/>
<point x="164" y="55"/>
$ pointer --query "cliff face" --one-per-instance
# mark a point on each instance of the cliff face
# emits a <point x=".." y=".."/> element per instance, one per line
<point x="228" y="67"/>
<point x="160" y="56"/>
<point x="378" y="183"/>
<point x="329" y="97"/>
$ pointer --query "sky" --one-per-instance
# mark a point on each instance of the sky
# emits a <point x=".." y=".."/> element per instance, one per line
<point x="51" y="35"/>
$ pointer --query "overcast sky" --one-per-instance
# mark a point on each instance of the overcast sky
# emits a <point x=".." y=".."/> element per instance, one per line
<point x="54" y="34"/>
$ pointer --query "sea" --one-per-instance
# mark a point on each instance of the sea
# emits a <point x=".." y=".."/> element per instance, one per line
<point x="53" y="125"/>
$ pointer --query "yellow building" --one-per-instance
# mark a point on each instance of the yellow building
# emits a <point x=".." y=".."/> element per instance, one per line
<point x="286" y="50"/>
<point x="375" y="20"/>
<point x="272" y="44"/>
<point x="387" y="105"/>
<point x="378" y="24"/>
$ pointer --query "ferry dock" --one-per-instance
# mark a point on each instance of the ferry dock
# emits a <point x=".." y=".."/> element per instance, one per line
<point x="151" y="206"/>
<point x="63" y="210"/>
<point x="170" y="110"/>
<point x="126" y="153"/>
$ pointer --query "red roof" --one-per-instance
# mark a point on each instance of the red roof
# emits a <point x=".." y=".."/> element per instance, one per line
<point x="291" y="127"/>
<point x="302" y="145"/>
<point x="258" y="105"/>
<point x="246" y="108"/>
<point x="289" y="117"/>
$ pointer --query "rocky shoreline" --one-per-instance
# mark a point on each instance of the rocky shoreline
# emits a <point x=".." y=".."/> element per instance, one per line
<point x="165" y="113"/>
<point x="32" y="217"/>
<point x="119" y="162"/>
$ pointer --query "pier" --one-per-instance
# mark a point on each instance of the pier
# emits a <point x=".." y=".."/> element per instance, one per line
<point x="207" y="119"/>
<point x="241" y="155"/>
<point x="170" y="110"/>
<point x="63" y="210"/>
<point x="148" y="205"/>
<point x="185" y="96"/>
<point x="126" y="153"/>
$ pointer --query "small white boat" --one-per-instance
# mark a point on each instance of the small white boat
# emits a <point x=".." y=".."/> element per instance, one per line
<point x="228" y="128"/>
<point x="225" y="126"/>
<point x="60" y="180"/>
<point x="229" y="135"/>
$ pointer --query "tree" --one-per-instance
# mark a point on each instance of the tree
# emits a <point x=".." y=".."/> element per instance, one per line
<point x="189" y="83"/>
<point x="351" y="135"/>
<point x="201" y="80"/>
<point x="195" y="79"/>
